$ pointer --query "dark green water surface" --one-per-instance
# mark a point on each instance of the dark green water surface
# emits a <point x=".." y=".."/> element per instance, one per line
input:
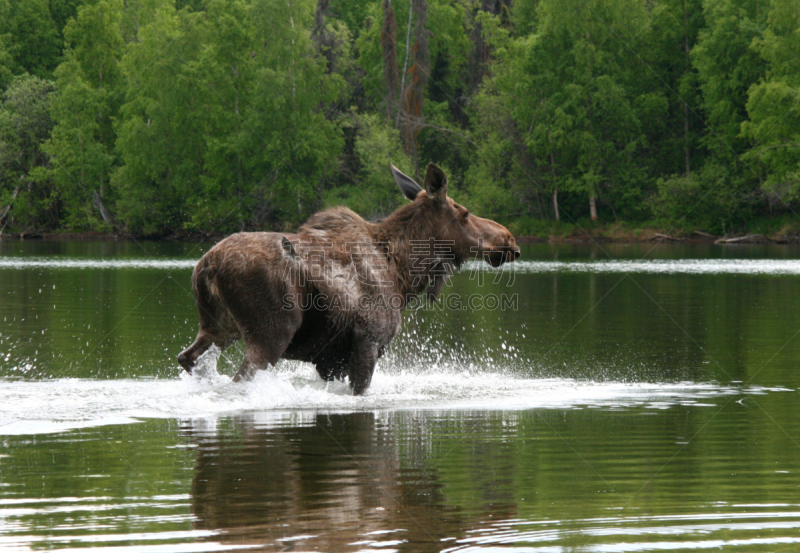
<point x="625" y="398"/>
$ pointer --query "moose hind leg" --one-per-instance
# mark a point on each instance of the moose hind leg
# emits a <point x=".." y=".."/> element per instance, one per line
<point x="216" y="325"/>
<point x="205" y="339"/>
<point x="265" y="348"/>
<point x="188" y="357"/>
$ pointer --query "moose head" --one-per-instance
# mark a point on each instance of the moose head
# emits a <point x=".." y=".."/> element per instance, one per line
<point x="469" y="236"/>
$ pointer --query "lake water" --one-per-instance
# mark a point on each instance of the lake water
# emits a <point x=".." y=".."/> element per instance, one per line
<point x="626" y="399"/>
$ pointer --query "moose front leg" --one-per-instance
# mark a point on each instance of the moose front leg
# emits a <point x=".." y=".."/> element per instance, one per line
<point x="361" y="364"/>
<point x="331" y="369"/>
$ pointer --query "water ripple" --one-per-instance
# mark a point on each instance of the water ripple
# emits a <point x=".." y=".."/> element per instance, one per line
<point x="736" y="530"/>
<point x="61" y="264"/>
<point x="653" y="266"/>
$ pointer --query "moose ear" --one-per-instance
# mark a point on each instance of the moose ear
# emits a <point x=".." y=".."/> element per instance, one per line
<point x="408" y="185"/>
<point x="435" y="183"/>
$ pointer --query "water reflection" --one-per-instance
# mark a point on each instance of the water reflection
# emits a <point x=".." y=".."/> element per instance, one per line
<point x="489" y="459"/>
<point x="579" y="480"/>
<point x="594" y="479"/>
<point x="334" y="482"/>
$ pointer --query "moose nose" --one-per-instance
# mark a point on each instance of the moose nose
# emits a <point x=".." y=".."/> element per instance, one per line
<point x="516" y="254"/>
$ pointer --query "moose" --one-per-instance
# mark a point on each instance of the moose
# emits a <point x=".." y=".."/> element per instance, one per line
<point x="333" y="293"/>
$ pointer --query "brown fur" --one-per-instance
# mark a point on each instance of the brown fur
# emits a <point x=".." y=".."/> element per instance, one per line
<point x="333" y="293"/>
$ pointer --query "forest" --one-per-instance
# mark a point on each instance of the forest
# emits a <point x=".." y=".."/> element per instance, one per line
<point x="165" y="118"/>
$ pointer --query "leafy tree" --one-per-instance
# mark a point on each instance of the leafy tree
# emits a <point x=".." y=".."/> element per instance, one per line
<point x="6" y="61"/>
<point x="714" y="190"/>
<point x="377" y="144"/>
<point x="512" y="170"/>
<point x="727" y="67"/>
<point x="675" y="26"/>
<point x="82" y="141"/>
<point x="569" y="90"/>
<point x="61" y="12"/>
<point x="431" y="55"/>
<point x="219" y="115"/>
<point x="160" y="132"/>
<point x="239" y="138"/>
<point x="774" y="103"/>
<point x="35" y="44"/>
<point x="353" y="13"/>
<point x="24" y="125"/>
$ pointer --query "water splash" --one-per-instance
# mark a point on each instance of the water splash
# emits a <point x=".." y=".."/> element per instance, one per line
<point x="29" y="407"/>
<point x="205" y="370"/>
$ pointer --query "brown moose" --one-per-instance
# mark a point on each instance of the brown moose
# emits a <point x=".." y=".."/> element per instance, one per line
<point x="333" y="293"/>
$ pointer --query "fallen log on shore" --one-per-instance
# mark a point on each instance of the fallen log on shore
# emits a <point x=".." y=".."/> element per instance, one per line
<point x="659" y="236"/>
<point x="747" y="238"/>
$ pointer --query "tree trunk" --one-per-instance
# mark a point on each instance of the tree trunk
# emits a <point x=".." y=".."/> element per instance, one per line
<point x="318" y="32"/>
<point x="555" y="187"/>
<point x="321" y="189"/>
<point x="686" y="152"/>
<point x="104" y="213"/>
<point x="414" y="98"/>
<point x="405" y="65"/>
<point x="389" y="48"/>
<point x="592" y="206"/>
<point x="478" y="62"/>
<point x="324" y="40"/>
<point x="7" y="210"/>
<point x="555" y="204"/>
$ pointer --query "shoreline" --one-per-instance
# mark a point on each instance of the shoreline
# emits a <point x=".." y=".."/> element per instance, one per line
<point x="603" y="235"/>
<point x="641" y="236"/>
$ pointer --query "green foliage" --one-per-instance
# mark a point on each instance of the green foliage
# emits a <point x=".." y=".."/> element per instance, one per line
<point x="728" y="67"/>
<point x="82" y="142"/>
<point x="353" y="13"/>
<point x="7" y="64"/>
<point x="774" y="103"/>
<point x="238" y="137"/>
<point x="500" y="179"/>
<point x="24" y="125"/>
<point x="219" y="115"/>
<point x="714" y="199"/>
<point x="449" y="48"/>
<point x="377" y="144"/>
<point x="682" y="200"/>
<point x="159" y="131"/>
<point x="35" y="37"/>
<point x="568" y="88"/>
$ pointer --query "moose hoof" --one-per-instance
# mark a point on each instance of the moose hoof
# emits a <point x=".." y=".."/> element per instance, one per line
<point x="185" y="362"/>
